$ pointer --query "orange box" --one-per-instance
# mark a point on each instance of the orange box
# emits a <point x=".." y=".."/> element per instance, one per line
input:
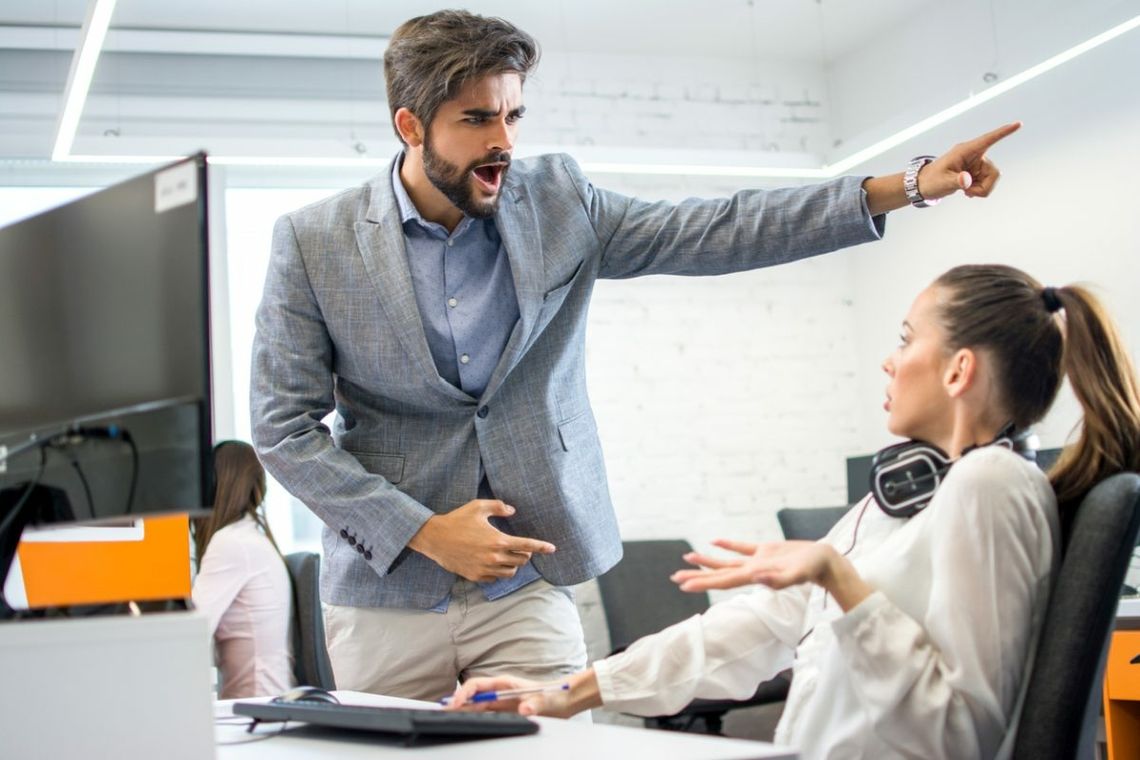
<point x="96" y="572"/>
<point x="1122" y="677"/>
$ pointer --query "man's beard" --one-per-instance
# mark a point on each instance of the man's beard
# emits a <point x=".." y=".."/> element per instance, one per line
<point x="457" y="185"/>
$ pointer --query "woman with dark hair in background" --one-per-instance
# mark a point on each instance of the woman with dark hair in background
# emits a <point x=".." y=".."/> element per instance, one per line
<point x="242" y="585"/>
<point x="911" y="625"/>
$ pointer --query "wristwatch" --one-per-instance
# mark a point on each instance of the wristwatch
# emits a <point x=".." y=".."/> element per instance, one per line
<point x="910" y="182"/>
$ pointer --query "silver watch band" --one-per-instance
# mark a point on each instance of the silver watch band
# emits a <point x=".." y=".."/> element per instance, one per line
<point x="910" y="182"/>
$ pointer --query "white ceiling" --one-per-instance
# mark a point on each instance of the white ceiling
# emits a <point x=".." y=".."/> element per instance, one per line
<point x="793" y="30"/>
<point x="302" y="77"/>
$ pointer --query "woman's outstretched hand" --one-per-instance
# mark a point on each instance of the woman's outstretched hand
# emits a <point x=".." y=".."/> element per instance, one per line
<point x="777" y="565"/>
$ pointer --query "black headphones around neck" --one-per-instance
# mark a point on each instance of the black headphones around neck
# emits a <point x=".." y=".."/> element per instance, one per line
<point x="905" y="476"/>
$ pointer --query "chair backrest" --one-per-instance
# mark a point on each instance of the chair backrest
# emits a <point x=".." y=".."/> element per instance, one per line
<point x="1063" y="697"/>
<point x="311" y="663"/>
<point x="808" y="524"/>
<point x="637" y="595"/>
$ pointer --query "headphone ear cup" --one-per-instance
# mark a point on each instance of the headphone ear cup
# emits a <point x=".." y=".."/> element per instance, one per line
<point x="904" y="477"/>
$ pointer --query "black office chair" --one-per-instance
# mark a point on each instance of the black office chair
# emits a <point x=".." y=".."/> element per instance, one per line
<point x="808" y="524"/>
<point x="311" y="665"/>
<point x="639" y="599"/>
<point x="1061" y="710"/>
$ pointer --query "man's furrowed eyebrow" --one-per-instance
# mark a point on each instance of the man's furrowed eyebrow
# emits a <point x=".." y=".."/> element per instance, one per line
<point x="480" y="112"/>
<point x="518" y="111"/>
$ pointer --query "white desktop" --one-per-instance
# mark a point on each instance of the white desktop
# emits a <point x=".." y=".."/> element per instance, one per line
<point x="126" y="687"/>
<point x="556" y="740"/>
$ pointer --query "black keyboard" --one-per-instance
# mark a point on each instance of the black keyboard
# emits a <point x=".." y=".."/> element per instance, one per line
<point x="409" y="724"/>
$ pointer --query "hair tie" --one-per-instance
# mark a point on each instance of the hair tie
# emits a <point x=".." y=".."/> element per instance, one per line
<point x="1052" y="302"/>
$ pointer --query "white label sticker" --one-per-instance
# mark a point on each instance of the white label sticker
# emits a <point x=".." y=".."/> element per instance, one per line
<point x="175" y="187"/>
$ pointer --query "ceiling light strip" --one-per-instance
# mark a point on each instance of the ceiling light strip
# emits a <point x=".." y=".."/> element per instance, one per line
<point x="704" y="170"/>
<point x="79" y="78"/>
<point x="930" y="122"/>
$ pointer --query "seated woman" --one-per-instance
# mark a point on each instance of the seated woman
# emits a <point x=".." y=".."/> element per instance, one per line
<point x="242" y="584"/>
<point x="910" y="632"/>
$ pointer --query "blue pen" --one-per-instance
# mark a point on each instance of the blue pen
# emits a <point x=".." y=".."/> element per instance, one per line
<point x="492" y="696"/>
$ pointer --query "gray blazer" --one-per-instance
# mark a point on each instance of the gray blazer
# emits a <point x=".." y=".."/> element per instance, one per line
<point x="338" y="329"/>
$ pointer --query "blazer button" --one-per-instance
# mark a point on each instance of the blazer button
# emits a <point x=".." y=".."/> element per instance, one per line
<point x="483" y="412"/>
<point x="352" y="540"/>
<point x="368" y="556"/>
<point x="343" y="533"/>
<point x="360" y="548"/>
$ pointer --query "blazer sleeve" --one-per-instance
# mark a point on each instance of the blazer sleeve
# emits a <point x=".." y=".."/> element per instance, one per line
<point x="750" y="230"/>
<point x="291" y="391"/>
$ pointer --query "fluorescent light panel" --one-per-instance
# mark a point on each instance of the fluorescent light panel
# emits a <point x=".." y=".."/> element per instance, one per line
<point x="706" y="170"/>
<point x="79" y="78"/>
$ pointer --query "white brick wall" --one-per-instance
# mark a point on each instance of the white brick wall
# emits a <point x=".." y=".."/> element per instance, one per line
<point x="676" y="102"/>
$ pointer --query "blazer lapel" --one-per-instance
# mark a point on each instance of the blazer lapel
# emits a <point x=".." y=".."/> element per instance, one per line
<point x="518" y="229"/>
<point x="381" y="241"/>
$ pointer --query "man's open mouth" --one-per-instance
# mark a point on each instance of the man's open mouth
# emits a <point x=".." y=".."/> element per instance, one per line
<point x="490" y="176"/>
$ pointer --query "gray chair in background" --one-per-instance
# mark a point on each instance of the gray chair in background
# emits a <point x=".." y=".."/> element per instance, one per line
<point x="1062" y="704"/>
<point x="808" y="523"/>
<point x="311" y="664"/>
<point x="639" y="599"/>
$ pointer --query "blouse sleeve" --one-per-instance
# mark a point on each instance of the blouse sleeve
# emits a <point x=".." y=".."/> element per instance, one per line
<point x="946" y="685"/>
<point x="221" y="577"/>
<point x="724" y="653"/>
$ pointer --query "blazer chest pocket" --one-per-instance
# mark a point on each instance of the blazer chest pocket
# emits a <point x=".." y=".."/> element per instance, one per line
<point x="558" y="294"/>
<point x="576" y="431"/>
<point x="389" y="466"/>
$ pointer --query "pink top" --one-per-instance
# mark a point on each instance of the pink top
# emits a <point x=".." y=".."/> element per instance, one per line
<point x="243" y="588"/>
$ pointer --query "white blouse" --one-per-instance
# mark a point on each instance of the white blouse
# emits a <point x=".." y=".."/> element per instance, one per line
<point x="930" y="665"/>
<point x="243" y="588"/>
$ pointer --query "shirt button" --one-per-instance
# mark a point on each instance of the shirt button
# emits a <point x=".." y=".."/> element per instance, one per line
<point x="352" y="540"/>
<point x="452" y="302"/>
<point x="343" y="533"/>
<point x="360" y="548"/>
<point x="464" y="359"/>
<point x="450" y="242"/>
<point x="368" y="555"/>
<point x="483" y="412"/>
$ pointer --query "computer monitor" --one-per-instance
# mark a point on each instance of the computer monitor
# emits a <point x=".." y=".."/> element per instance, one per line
<point x="105" y="403"/>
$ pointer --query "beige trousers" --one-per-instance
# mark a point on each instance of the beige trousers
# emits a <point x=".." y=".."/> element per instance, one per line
<point x="534" y="633"/>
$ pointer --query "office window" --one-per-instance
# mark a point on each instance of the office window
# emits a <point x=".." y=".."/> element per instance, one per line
<point x="250" y="214"/>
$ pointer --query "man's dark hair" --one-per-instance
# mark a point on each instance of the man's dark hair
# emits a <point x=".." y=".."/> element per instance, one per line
<point x="430" y="58"/>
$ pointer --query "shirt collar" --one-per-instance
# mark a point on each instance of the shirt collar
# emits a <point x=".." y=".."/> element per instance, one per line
<point x="408" y="210"/>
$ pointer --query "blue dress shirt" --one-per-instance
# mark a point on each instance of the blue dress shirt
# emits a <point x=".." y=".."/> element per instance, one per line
<point x="467" y="303"/>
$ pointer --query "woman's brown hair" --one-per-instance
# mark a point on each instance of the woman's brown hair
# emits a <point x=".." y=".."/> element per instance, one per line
<point x="1036" y="336"/>
<point x="239" y="489"/>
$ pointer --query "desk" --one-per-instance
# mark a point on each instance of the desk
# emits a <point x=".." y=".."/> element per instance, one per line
<point x="555" y="740"/>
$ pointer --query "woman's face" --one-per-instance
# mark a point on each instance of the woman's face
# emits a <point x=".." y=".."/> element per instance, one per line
<point x="918" y="405"/>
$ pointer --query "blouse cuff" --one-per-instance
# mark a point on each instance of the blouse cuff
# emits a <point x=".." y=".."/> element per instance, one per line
<point x="605" y="680"/>
<point x="859" y="617"/>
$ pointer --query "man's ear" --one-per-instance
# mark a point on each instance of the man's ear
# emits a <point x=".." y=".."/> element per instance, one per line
<point x="409" y="127"/>
<point x="961" y="372"/>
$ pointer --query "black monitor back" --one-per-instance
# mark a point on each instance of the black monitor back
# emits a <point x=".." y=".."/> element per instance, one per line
<point x="104" y="350"/>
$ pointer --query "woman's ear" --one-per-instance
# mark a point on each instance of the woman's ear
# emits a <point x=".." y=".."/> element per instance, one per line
<point x="409" y="127"/>
<point x="961" y="372"/>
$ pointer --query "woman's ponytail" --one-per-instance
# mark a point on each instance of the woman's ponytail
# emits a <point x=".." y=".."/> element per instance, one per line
<point x="1102" y="378"/>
